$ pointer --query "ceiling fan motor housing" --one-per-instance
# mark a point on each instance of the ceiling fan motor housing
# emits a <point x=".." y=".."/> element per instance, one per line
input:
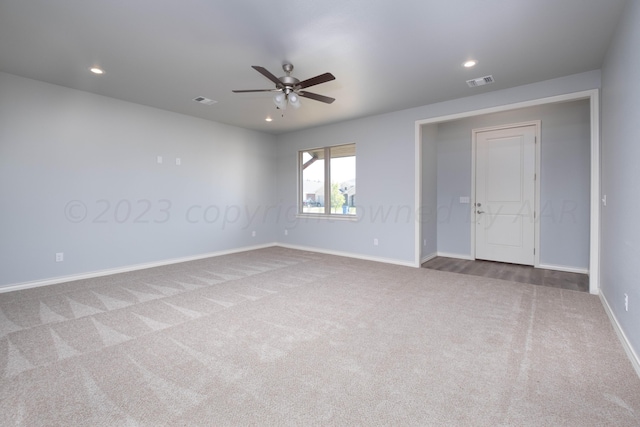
<point x="288" y="82"/>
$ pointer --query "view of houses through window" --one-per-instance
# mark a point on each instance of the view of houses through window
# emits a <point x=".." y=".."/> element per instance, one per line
<point x="328" y="187"/>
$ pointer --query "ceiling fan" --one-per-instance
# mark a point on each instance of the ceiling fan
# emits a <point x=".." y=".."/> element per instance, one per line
<point x="288" y="89"/>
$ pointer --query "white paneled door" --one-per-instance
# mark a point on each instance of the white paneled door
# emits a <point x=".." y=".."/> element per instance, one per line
<point x="505" y="195"/>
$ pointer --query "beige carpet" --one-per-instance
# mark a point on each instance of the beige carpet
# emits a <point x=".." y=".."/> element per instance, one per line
<point x="284" y="337"/>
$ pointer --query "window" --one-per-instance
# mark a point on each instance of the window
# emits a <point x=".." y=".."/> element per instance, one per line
<point x="328" y="187"/>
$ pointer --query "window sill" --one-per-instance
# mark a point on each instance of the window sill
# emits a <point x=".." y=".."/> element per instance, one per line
<point x="328" y="217"/>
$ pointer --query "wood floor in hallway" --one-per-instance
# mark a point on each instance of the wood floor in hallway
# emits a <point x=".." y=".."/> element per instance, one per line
<point x="512" y="272"/>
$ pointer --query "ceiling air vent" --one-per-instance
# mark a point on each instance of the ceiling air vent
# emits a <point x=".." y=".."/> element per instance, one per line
<point x="205" y="101"/>
<point x="481" y="81"/>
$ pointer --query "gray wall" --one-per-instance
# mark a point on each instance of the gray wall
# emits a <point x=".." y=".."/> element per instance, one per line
<point x="71" y="164"/>
<point x="429" y="206"/>
<point x="620" y="241"/>
<point x="78" y="175"/>
<point x="564" y="181"/>
<point x="385" y="182"/>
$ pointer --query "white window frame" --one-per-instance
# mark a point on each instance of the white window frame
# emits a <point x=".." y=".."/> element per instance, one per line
<point x="327" y="187"/>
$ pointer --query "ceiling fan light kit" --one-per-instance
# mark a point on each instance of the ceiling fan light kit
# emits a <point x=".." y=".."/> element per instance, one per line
<point x="289" y="89"/>
<point x="280" y="99"/>
<point x="294" y="101"/>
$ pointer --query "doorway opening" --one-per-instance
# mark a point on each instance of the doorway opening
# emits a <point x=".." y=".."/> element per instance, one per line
<point x="425" y="231"/>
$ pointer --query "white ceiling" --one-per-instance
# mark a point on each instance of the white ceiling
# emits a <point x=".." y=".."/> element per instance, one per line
<point x="386" y="55"/>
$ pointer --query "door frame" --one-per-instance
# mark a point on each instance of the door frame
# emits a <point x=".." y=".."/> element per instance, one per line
<point x="536" y="207"/>
<point x="593" y="95"/>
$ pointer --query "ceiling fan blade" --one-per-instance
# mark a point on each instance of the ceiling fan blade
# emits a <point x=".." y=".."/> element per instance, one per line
<point x="316" y="97"/>
<point x="267" y="74"/>
<point x="256" y="90"/>
<point x="322" y="78"/>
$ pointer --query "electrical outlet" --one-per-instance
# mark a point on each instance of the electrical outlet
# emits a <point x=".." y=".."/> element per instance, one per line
<point x="253" y="233"/>
<point x="375" y="242"/>
<point x="286" y="232"/>
<point x="626" y="302"/>
<point x="59" y="256"/>
<point x="424" y="243"/>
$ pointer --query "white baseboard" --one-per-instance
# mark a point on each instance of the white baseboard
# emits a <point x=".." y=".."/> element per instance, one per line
<point x="563" y="268"/>
<point x="125" y="269"/>
<point x="633" y="356"/>
<point x="349" y="255"/>
<point x="458" y="256"/>
<point x="428" y="258"/>
<point x="128" y="268"/>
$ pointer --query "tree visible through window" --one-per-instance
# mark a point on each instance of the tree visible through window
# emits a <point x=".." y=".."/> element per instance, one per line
<point x="328" y="187"/>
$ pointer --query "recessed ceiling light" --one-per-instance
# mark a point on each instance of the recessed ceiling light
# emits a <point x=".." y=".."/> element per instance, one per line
<point x="268" y="119"/>
<point x="96" y="70"/>
<point x="470" y="63"/>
